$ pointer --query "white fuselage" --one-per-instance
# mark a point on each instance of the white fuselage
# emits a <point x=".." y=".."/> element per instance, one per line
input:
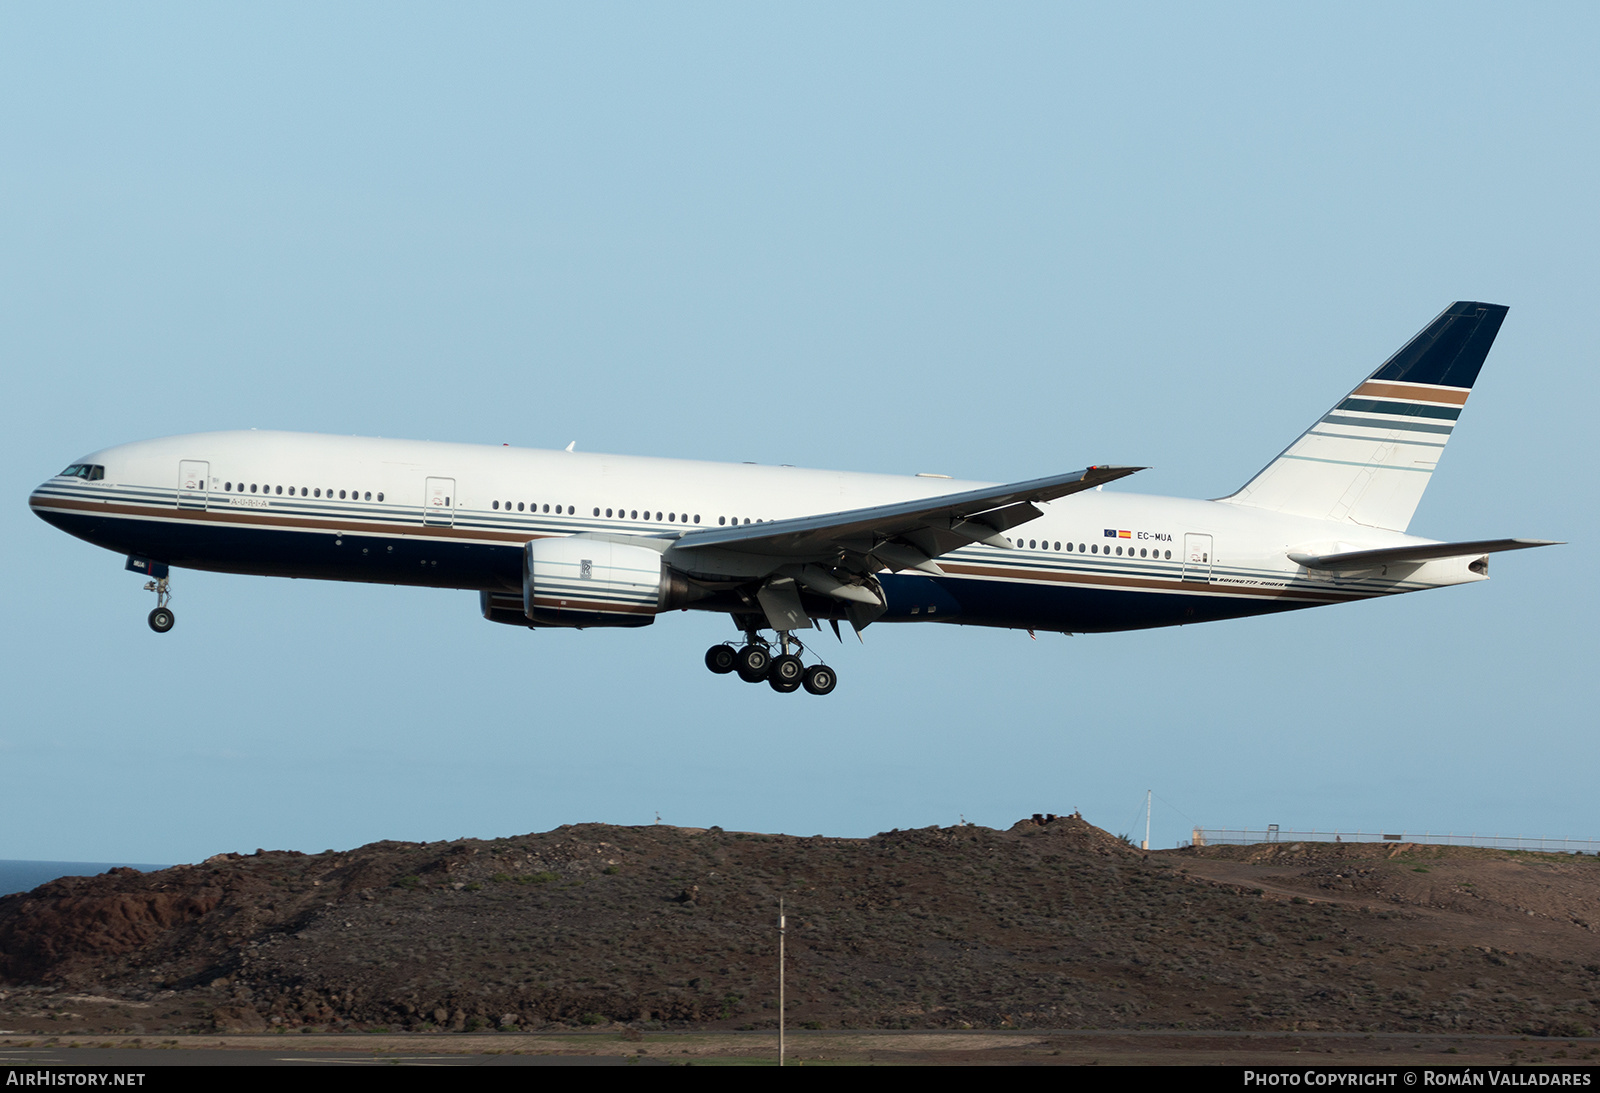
<point x="458" y="515"/>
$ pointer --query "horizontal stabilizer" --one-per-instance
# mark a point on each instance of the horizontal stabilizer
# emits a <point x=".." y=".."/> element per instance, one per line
<point x="1421" y="552"/>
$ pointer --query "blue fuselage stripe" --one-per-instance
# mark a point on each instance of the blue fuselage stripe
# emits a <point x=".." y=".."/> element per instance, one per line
<point x="447" y="562"/>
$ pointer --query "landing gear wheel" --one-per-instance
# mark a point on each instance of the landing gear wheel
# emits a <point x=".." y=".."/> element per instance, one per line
<point x="161" y="620"/>
<point x="785" y="674"/>
<point x="721" y="659"/>
<point x="752" y="663"/>
<point x="820" y="679"/>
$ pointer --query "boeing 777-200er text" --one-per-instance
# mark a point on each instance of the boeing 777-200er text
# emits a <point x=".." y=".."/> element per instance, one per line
<point x="569" y="539"/>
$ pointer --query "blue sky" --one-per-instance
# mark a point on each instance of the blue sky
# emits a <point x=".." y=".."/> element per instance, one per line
<point x="990" y="242"/>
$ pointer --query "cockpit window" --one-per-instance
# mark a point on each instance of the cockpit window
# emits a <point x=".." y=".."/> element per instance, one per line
<point x="92" y="472"/>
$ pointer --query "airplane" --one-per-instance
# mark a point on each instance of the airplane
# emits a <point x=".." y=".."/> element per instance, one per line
<point x="573" y="539"/>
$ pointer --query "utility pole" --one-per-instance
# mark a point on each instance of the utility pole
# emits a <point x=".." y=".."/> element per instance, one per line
<point x="1146" y="844"/>
<point x="781" y="931"/>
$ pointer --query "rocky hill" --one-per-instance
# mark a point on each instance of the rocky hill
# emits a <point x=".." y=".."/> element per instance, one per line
<point x="1052" y="924"/>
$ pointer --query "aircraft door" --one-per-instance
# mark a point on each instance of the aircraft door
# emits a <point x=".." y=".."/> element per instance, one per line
<point x="1197" y="557"/>
<point x="194" y="481"/>
<point x="439" y="505"/>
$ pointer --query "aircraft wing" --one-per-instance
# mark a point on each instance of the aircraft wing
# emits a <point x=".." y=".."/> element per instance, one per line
<point x="903" y="535"/>
<point x="1422" y="552"/>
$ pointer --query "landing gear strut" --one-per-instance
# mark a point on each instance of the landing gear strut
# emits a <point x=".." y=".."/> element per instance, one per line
<point x="784" y="673"/>
<point x="161" y="619"/>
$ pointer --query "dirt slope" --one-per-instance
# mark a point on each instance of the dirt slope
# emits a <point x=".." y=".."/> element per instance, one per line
<point x="1056" y="925"/>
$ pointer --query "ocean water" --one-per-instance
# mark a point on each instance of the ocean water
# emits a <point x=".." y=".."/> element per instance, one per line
<point x="23" y="876"/>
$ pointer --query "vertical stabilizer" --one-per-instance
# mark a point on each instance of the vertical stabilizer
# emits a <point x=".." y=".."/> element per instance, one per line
<point x="1367" y="460"/>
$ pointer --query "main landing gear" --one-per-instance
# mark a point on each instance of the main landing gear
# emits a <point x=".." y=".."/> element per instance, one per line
<point x="784" y="673"/>
<point x="161" y="619"/>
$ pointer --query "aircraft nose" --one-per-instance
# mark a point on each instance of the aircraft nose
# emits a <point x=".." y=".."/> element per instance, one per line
<point x="54" y="502"/>
<point x="39" y="502"/>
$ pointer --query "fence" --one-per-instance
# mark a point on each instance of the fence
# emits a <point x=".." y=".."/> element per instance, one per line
<point x="1221" y="836"/>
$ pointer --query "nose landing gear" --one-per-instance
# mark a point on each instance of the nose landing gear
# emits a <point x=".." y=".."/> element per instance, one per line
<point x="784" y="673"/>
<point x="162" y="618"/>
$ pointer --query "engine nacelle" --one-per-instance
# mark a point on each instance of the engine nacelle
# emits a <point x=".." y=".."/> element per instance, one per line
<point x="579" y="581"/>
<point x="503" y="607"/>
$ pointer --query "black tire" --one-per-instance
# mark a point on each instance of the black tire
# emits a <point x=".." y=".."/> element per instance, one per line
<point x="820" y="679"/>
<point x="786" y="670"/>
<point x="161" y="620"/>
<point x="721" y="659"/>
<point x="753" y="662"/>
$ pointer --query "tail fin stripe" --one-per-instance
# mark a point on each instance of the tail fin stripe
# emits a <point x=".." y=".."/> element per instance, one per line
<point x="1377" y="423"/>
<point x="1355" y="463"/>
<point x="1407" y="409"/>
<point x="1423" y="392"/>
<point x="1398" y="440"/>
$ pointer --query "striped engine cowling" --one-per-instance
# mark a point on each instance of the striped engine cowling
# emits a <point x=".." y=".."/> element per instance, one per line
<point x="581" y="581"/>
